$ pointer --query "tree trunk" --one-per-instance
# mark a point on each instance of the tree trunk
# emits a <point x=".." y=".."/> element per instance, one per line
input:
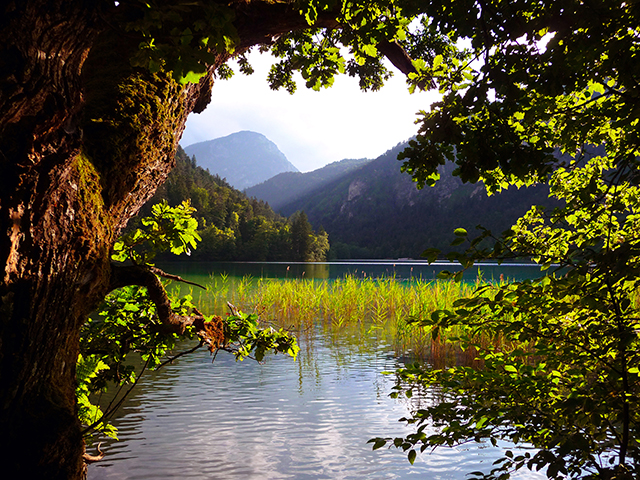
<point x="85" y="140"/>
<point x="69" y="181"/>
<point x="49" y="258"/>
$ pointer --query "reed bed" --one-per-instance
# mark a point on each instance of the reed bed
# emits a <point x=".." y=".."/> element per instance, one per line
<point x="381" y="306"/>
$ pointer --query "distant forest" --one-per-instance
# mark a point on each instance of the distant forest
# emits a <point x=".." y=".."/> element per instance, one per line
<point x="376" y="211"/>
<point x="234" y="226"/>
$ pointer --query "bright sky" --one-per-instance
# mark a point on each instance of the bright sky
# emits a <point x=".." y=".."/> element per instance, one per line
<point x="311" y="128"/>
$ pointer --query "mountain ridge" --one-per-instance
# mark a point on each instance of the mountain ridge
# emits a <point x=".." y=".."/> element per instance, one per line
<point x="287" y="187"/>
<point x="376" y="211"/>
<point x="234" y="156"/>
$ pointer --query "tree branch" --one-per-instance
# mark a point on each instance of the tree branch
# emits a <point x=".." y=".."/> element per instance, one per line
<point x="176" y="278"/>
<point x="175" y="357"/>
<point x="400" y="59"/>
<point x="137" y="275"/>
<point x="209" y="331"/>
<point x="254" y="30"/>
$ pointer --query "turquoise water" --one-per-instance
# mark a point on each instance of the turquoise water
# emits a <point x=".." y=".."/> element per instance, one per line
<point x="402" y="270"/>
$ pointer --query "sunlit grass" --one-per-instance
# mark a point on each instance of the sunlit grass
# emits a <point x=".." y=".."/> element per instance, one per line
<point x="380" y="306"/>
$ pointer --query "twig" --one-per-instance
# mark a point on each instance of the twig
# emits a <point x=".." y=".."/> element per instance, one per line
<point x="187" y="352"/>
<point x="93" y="458"/>
<point x="177" y="278"/>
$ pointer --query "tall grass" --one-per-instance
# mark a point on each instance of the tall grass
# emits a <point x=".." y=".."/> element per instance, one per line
<point x="381" y="305"/>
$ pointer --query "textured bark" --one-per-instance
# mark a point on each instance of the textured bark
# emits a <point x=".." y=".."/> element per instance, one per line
<point x="85" y="140"/>
<point x="49" y="256"/>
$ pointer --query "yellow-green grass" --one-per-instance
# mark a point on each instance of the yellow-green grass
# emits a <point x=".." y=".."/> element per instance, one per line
<point x="380" y="306"/>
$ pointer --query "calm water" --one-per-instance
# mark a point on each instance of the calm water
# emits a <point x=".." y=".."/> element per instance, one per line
<point x="308" y="419"/>
<point x="401" y="270"/>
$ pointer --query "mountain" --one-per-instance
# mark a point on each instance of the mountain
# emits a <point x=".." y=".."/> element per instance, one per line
<point x="377" y="212"/>
<point x="288" y="187"/>
<point x="233" y="226"/>
<point x="243" y="158"/>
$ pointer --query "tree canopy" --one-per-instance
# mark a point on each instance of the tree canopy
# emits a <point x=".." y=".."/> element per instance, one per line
<point x="526" y="80"/>
<point x="93" y="99"/>
<point x="540" y="92"/>
<point x="556" y="371"/>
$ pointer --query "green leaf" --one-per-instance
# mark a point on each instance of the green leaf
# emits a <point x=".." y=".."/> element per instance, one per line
<point x="378" y="443"/>
<point x="370" y="50"/>
<point x="191" y="77"/>
<point x="431" y="254"/>
<point x="482" y="422"/>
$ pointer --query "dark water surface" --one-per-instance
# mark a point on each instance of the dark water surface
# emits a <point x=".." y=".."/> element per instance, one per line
<point x="402" y="270"/>
<point x="308" y="419"/>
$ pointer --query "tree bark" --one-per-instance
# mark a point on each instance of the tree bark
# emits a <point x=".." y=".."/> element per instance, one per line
<point x="50" y="256"/>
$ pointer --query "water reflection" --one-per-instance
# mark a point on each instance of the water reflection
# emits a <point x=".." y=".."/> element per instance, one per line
<point x="399" y="269"/>
<point x="308" y="419"/>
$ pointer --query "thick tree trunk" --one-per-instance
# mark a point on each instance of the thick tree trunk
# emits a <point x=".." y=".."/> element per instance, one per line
<point x="85" y="140"/>
<point x="48" y="257"/>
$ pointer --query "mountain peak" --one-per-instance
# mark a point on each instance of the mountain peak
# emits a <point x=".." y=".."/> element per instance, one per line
<point x="287" y="187"/>
<point x="244" y="158"/>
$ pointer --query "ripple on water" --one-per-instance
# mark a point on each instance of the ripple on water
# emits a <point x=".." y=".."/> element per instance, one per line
<point x="308" y="419"/>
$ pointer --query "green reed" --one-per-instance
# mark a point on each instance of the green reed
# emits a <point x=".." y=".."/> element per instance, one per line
<point x="383" y="306"/>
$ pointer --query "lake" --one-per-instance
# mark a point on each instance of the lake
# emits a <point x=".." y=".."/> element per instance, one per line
<point x="402" y="270"/>
<point x="308" y="419"/>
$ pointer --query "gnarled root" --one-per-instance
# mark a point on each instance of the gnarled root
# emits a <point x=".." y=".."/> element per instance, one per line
<point x="93" y="458"/>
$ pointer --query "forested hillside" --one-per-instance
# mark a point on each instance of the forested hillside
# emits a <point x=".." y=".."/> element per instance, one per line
<point x="234" y="226"/>
<point x="288" y="187"/>
<point x="377" y="212"/>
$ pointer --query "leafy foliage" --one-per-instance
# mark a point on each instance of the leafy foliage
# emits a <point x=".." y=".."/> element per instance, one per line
<point x="231" y="225"/>
<point x="244" y="336"/>
<point x="565" y="377"/>
<point x="88" y="369"/>
<point x="168" y="228"/>
<point x="180" y="37"/>
<point x="526" y="79"/>
<point x="325" y="38"/>
<point x="128" y="322"/>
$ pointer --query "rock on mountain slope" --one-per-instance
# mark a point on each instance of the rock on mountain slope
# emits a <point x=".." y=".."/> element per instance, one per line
<point x="288" y="187"/>
<point x="243" y="158"/>
<point x="377" y="212"/>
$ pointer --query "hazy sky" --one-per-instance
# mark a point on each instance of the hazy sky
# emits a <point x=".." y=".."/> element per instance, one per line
<point x="311" y="128"/>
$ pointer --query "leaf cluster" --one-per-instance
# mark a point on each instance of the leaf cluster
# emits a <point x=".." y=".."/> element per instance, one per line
<point x="561" y="371"/>
<point x="182" y="37"/>
<point x="527" y="80"/>
<point x="167" y="228"/>
<point x="245" y="337"/>
<point x="129" y="329"/>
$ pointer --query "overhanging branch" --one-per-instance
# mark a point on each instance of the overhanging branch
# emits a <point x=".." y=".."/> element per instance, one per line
<point x="400" y="59"/>
<point x="209" y="331"/>
<point x="177" y="278"/>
